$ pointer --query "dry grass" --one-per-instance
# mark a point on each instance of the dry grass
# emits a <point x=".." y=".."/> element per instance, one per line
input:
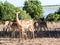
<point x="37" y="41"/>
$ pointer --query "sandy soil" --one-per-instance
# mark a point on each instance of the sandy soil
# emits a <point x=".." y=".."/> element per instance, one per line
<point x="36" y="41"/>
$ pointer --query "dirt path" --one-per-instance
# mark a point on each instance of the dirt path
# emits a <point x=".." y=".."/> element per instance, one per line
<point x="37" y="41"/>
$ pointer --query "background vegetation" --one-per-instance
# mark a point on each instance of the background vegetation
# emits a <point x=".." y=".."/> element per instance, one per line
<point x="34" y="8"/>
<point x="30" y="10"/>
<point x="54" y="16"/>
<point x="7" y="12"/>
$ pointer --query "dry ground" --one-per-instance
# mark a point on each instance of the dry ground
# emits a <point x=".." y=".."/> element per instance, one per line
<point x="37" y="41"/>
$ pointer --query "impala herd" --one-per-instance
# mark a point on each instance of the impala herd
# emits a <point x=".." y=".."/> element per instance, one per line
<point x="27" y="27"/>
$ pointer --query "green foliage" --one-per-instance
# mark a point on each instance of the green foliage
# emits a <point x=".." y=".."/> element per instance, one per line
<point x="56" y="17"/>
<point x="53" y="17"/>
<point x="1" y="8"/>
<point x="50" y="17"/>
<point x="7" y="12"/>
<point x="58" y="11"/>
<point x="23" y="14"/>
<point x="34" y="8"/>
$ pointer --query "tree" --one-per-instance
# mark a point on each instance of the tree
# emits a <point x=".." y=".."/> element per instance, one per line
<point x="23" y="15"/>
<point x="58" y="11"/>
<point x="53" y="17"/>
<point x="7" y="12"/>
<point x="50" y="17"/>
<point x="34" y="8"/>
<point x="1" y="8"/>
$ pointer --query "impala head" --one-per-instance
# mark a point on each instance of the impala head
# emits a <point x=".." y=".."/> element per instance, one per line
<point x="17" y="13"/>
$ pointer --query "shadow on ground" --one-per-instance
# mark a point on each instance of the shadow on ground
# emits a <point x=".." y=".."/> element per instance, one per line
<point x="48" y="34"/>
<point x="40" y="34"/>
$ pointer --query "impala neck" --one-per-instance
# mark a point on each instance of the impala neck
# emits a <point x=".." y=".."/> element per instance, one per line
<point x="17" y="19"/>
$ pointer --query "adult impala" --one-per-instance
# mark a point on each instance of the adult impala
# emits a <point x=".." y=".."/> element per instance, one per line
<point x="24" y="24"/>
